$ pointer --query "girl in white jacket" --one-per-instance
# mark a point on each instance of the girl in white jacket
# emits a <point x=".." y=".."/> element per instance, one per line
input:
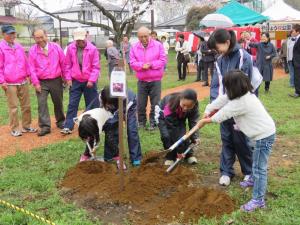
<point x="254" y="121"/>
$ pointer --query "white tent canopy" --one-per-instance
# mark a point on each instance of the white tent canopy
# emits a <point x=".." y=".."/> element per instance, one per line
<point x="282" y="11"/>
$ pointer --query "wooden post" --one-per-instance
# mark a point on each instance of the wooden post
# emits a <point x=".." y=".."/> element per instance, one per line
<point x="121" y="134"/>
<point x="121" y="142"/>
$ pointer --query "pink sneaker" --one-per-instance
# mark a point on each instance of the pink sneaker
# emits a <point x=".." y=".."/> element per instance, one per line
<point x="117" y="159"/>
<point x="84" y="158"/>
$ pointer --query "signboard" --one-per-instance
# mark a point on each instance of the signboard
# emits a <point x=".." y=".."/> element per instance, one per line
<point x="118" y="84"/>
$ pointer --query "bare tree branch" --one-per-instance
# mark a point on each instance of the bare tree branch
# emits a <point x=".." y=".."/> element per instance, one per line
<point x="71" y="20"/>
<point x="105" y="12"/>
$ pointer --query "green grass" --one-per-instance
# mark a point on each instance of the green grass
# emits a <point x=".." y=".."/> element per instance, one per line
<point x="169" y="81"/>
<point x="30" y="179"/>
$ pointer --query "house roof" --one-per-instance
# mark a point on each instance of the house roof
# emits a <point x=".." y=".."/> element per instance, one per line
<point x="10" y="20"/>
<point x="178" y="21"/>
<point x="107" y="6"/>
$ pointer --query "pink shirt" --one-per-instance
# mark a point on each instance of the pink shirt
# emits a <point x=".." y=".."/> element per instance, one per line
<point x="154" y="54"/>
<point x="90" y="64"/>
<point x="46" y="67"/>
<point x="13" y="64"/>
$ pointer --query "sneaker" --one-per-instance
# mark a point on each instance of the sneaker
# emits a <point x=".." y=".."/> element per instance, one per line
<point x="29" y="130"/>
<point x="247" y="182"/>
<point x="168" y="162"/>
<point x="66" y="131"/>
<point x="136" y="163"/>
<point x="192" y="160"/>
<point x="84" y="158"/>
<point x="253" y="204"/>
<point x="117" y="159"/>
<point x="224" y="180"/>
<point x="16" y="133"/>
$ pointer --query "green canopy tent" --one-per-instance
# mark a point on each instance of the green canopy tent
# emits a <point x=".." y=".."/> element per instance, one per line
<point x="241" y="15"/>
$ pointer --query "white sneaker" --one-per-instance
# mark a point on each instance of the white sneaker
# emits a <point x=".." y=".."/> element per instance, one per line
<point x="224" y="180"/>
<point x="192" y="160"/>
<point x="16" y="133"/>
<point x="168" y="162"/>
<point x="66" y="131"/>
<point x="246" y="178"/>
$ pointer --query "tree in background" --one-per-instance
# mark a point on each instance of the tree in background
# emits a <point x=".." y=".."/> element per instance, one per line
<point x="118" y="29"/>
<point x="195" y="14"/>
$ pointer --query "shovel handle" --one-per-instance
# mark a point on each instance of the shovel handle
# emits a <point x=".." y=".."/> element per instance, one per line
<point x="185" y="137"/>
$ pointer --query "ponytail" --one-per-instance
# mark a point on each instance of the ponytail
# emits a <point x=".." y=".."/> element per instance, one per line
<point x="221" y="36"/>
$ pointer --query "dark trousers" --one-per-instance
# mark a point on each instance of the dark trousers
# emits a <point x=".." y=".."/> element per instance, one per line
<point x="234" y="143"/>
<point x="285" y="65"/>
<point x="54" y="87"/>
<point x="267" y="85"/>
<point x="297" y="80"/>
<point x="175" y="133"/>
<point x="210" y="66"/>
<point x="77" y="89"/>
<point x="181" y="67"/>
<point x="199" y="71"/>
<point x="145" y="90"/>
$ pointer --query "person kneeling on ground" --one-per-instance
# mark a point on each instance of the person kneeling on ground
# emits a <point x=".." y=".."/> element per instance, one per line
<point x="171" y="115"/>
<point x="254" y="121"/>
<point x="110" y="127"/>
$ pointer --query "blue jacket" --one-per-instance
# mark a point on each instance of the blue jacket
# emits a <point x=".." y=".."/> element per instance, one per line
<point x="132" y="129"/>
<point x="229" y="62"/>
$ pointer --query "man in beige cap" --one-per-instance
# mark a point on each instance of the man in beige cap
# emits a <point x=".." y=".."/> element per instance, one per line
<point x="82" y="70"/>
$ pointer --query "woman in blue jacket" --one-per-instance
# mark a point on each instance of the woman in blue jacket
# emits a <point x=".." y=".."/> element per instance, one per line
<point x="234" y="142"/>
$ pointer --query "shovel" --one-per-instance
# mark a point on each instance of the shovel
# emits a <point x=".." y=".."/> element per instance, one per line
<point x="93" y="152"/>
<point x="170" y="168"/>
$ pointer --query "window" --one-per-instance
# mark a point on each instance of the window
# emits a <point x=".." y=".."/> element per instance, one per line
<point x="88" y="15"/>
<point x="118" y="15"/>
<point x="7" y="12"/>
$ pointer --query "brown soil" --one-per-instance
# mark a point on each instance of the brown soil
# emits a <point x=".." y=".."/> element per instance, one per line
<point x="150" y="196"/>
<point x="10" y="145"/>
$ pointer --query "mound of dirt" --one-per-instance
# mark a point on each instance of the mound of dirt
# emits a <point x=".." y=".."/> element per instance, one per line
<point x="150" y="196"/>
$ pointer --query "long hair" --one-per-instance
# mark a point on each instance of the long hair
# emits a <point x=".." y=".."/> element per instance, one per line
<point x="175" y="98"/>
<point x="88" y="129"/>
<point x="221" y="36"/>
<point x="236" y="84"/>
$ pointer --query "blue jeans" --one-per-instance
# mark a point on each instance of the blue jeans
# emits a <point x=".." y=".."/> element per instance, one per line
<point x="291" y="69"/>
<point x="77" y="89"/>
<point x="261" y="155"/>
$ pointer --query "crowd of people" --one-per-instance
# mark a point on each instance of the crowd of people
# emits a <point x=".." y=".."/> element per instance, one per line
<point x="247" y="130"/>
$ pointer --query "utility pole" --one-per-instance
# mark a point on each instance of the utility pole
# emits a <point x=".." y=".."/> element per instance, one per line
<point x="152" y="15"/>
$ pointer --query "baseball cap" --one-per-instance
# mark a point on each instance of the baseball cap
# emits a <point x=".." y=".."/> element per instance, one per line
<point x="79" y="34"/>
<point x="8" y="29"/>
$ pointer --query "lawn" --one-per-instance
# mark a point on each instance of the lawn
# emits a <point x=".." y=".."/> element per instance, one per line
<point x="169" y="81"/>
<point x="30" y="180"/>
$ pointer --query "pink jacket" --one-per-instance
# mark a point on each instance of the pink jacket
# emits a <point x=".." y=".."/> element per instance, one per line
<point x="154" y="54"/>
<point x="13" y="64"/>
<point x="90" y="64"/>
<point x="44" y="67"/>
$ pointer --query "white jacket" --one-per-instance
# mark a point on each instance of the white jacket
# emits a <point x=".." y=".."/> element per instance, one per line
<point x="248" y="113"/>
<point x="184" y="49"/>
<point x="99" y="114"/>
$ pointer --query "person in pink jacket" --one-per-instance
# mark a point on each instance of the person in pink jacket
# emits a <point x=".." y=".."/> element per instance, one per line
<point x="46" y="63"/>
<point x="82" y="70"/>
<point x="13" y="80"/>
<point x="147" y="59"/>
